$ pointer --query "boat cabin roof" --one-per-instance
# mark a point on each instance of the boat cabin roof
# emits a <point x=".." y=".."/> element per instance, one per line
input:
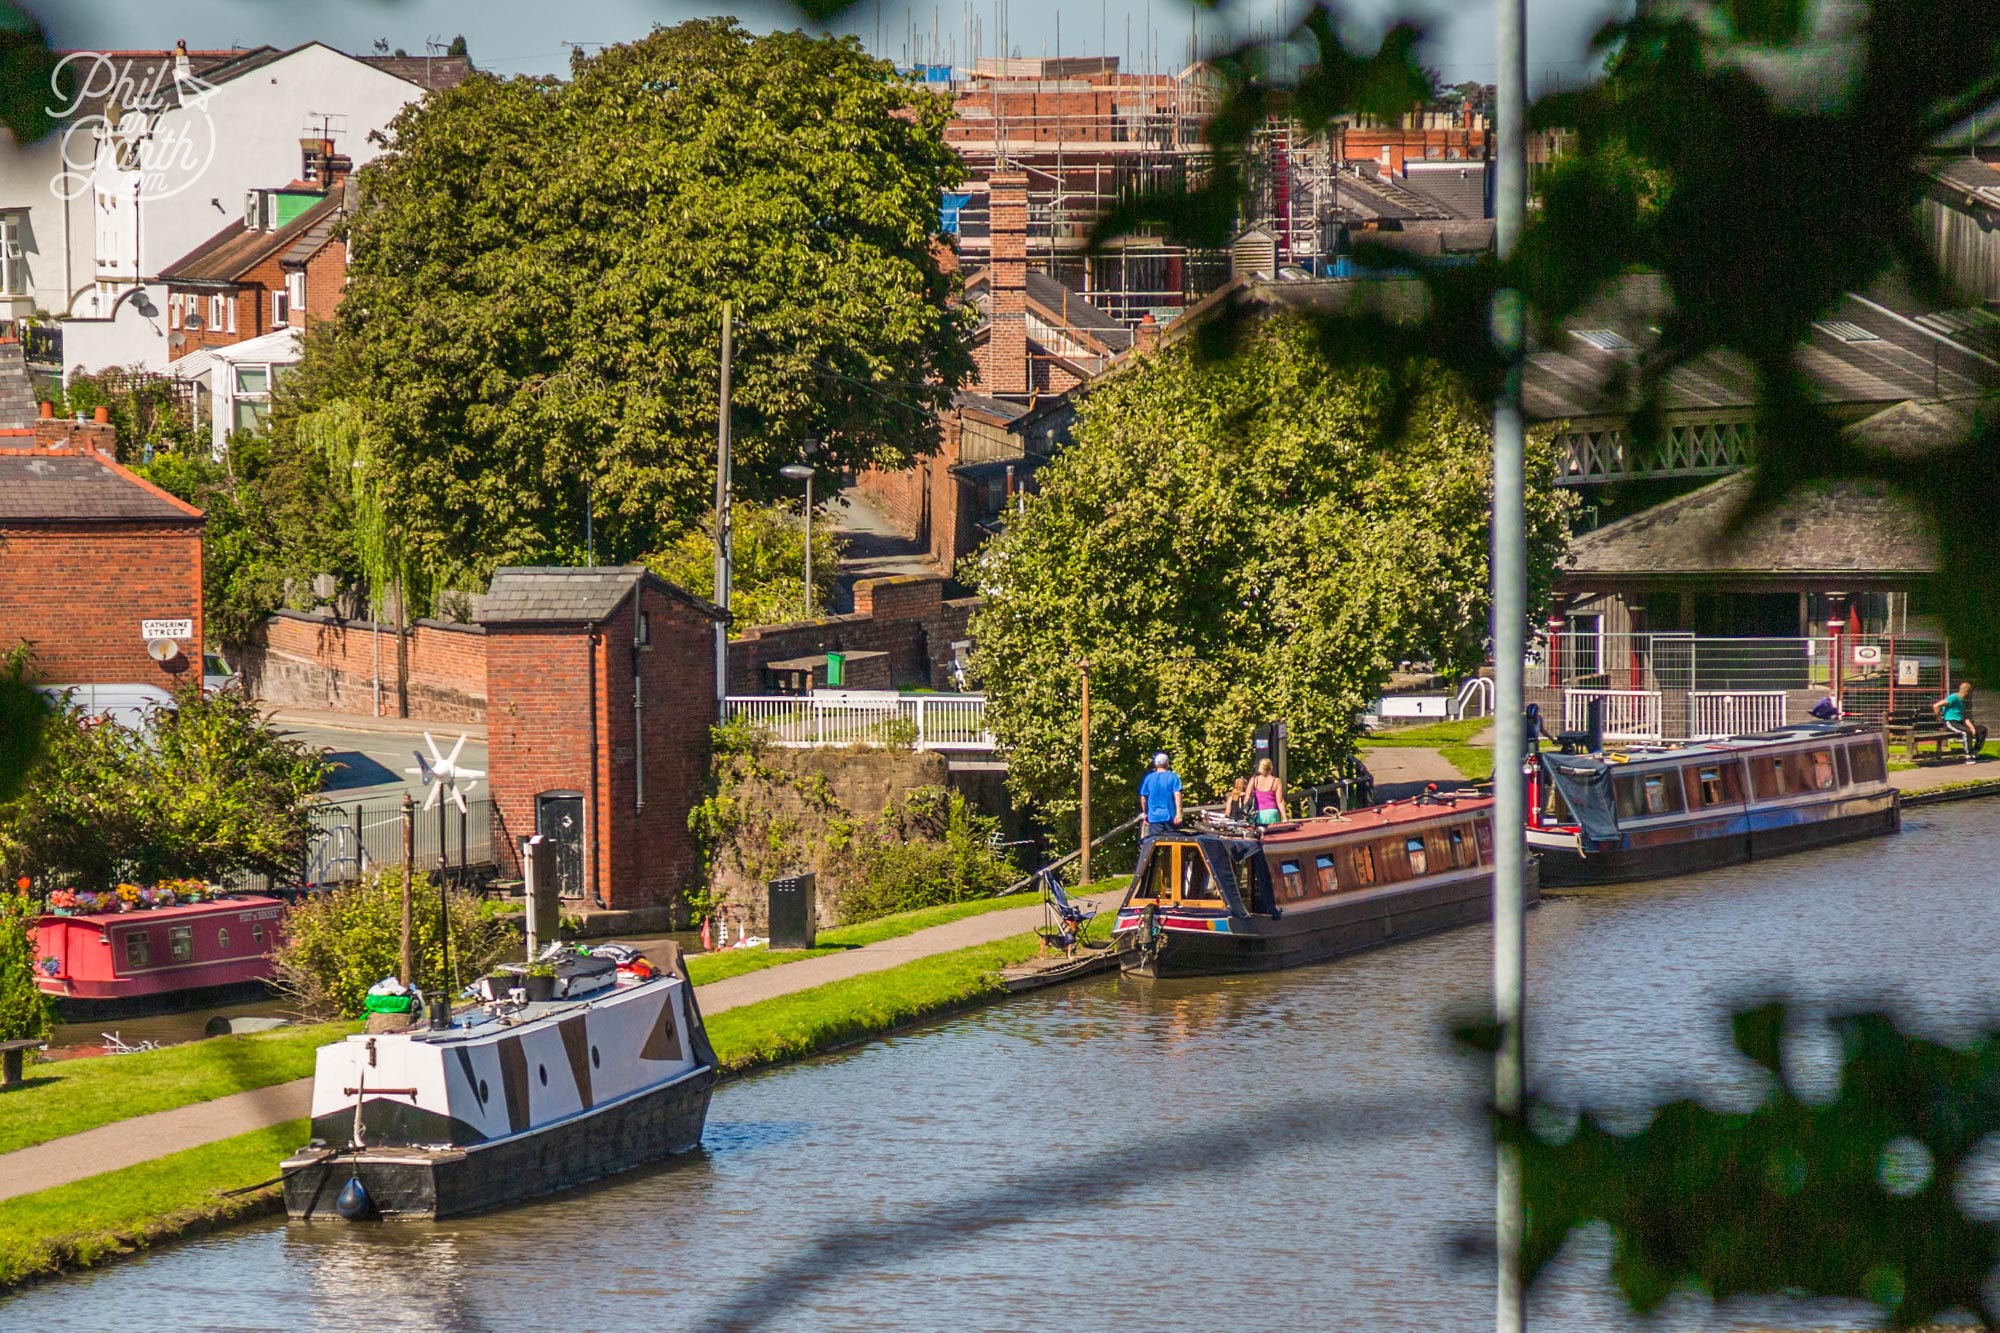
<point x="1626" y="756"/>
<point x="178" y="912"/>
<point x="1376" y="817"/>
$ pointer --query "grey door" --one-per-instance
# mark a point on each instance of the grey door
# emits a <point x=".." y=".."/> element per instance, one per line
<point x="559" y="819"/>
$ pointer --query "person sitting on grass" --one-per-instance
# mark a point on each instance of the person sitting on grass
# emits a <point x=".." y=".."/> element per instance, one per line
<point x="1954" y="710"/>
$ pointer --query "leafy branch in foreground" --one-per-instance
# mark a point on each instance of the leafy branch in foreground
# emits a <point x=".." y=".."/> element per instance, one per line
<point x="1860" y="1196"/>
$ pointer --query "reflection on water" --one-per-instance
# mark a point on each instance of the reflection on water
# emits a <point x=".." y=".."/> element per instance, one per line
<point x="1297" y="1151"/>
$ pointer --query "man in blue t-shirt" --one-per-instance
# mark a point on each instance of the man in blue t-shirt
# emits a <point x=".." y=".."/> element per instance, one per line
<point x="1160" y="798"/>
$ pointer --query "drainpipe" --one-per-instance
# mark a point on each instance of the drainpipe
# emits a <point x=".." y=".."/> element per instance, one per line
<point x="591" y="888"/>
<point x="638" y="723"/>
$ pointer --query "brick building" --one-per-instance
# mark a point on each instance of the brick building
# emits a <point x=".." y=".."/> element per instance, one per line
<point x="600" y="692"/>
<point x="91" y="553"/>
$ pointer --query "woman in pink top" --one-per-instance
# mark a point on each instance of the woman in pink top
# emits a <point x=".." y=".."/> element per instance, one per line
<point x="1267" y="794"/>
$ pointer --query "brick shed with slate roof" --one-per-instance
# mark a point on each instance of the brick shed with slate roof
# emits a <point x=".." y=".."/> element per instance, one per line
<point x="1851" y="548"/>
<point x="600" y="691"/>
<point x="90" y="551"/>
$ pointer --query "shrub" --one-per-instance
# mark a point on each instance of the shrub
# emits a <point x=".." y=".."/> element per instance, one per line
<point x="24" y="1010"/>
<point x="930" y="848"/>
<point x="341" y="942"/>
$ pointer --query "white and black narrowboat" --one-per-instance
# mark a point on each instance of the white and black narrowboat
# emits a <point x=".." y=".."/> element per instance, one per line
<point x="508" y="1100"/>
<point x="1645" y="813"/>
<point x="1310" y="890"/>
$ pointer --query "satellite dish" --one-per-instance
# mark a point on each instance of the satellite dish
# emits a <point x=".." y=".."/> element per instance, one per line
<point x="162" y="650"/>
<point x="193" y="321"/>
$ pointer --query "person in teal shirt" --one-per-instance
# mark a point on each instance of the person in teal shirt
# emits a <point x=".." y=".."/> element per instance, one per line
<point x="1954" y="710"/>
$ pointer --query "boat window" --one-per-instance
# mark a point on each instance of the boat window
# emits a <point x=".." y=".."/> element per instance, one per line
<point x="1362" y="859"/>
<point x="1328" y="881"/>
<point x="1640" y="795"/>
<point x="1413" y="848"/>
<point x="1461" y="846"/>
<point x="1767" y="776"/>
<point x="1865" y="760"/>
<point x="1484" y="829"/>
<point x="1555" y="810"/>
<point x="1195" y="882"/>
<point x="181" y="940"/>
<point x="222" y="937"/>
<point x="1295" y="883"/>
<point x="1840" y="758"/>
<point x="1160" y="874"/>
<point x="1823" y="778"/>
<point x="1715" y="784"/>
<point x="257" y="933"/>
<point x="138" y="951"/>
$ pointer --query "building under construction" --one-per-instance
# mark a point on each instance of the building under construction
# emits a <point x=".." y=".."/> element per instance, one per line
<point x="1087" y="135"/>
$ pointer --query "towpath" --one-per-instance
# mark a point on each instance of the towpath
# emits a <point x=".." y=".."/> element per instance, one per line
<point x="126" y="1143"/>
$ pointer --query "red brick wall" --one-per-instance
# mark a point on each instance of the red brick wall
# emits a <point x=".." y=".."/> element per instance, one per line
<point x="925" y="501"/>
<point x="548" y="684"/>
<point x="911" y="621"/>
<point x="314" y="661"/>
<point x="1004" y="369"/>
<point x="77" y="593"/>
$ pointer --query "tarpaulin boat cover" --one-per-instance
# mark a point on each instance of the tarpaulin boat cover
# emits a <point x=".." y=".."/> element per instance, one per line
<point x="1585" y="783"/>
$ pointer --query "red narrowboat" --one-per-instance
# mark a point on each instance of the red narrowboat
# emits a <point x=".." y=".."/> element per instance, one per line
<point x="99" y="956"/>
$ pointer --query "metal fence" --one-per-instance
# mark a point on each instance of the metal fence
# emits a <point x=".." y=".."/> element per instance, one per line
<point x="1716" y="715"/>
<point x="1629" y="715"/>
<point x="867" y="717"/>
<point x="352" y="839"/>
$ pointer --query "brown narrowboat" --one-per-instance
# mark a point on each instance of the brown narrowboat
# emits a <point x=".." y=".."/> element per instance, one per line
<point x="1210" y="902"/>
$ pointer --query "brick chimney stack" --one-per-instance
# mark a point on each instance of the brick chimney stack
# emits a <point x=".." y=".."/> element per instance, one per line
<point x="1007" y="348"/>
<point x="1146" y="338"/>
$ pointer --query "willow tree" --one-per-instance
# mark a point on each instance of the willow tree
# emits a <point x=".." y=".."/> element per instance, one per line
<point x="1233" y="542"/>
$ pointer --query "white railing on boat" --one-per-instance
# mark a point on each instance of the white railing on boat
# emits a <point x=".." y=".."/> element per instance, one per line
<point x="1629" y="715"/>
<point x="1720" y="714"/>
<point x="866" y="717"/>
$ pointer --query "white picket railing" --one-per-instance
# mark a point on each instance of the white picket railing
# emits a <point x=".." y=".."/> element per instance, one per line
<point x="1629" y="715"/>
<point x="1720" y="714"/>
<point x="866" y="717"/>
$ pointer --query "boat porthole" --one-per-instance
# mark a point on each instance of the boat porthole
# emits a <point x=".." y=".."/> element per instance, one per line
<point x="482" y="1092"/>
<point x="543" y="1070"/>
<point x="595" y="1063"/>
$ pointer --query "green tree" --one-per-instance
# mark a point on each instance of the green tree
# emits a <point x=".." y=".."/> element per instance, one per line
<point x="24" y="719"/>
<point x="767" y="570"/>
<point x="535" y="298"/>
<point x="208" y="790"/>
<point x="24" y="1010"/>
<point x="1232" y="542"/>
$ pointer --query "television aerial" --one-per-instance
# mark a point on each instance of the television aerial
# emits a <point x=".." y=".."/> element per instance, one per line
<point x="442" y="774"/>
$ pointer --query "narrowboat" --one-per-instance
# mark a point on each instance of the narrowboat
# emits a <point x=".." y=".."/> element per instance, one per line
<point x="1314" y="889"/>
<point x="507" y="1100"/>
<point x="1644" y="813"/>
<point x="93" y="961"/>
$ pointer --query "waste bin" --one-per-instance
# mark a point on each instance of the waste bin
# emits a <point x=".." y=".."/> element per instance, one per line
<point x="836" y="670"/>
<point x="794" y="912"/>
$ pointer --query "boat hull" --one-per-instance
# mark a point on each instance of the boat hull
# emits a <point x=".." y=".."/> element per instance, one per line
<point x="1762" y="836"/>
<point x="1349" y="924"/>
<point x="429" y="1183"/>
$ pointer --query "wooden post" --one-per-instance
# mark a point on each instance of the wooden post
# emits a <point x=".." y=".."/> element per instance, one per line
<point x="1083" y="861"/>
<point x="409" y="866"/>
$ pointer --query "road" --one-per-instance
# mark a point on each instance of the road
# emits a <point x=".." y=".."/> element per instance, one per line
<point x="371" y="754"/>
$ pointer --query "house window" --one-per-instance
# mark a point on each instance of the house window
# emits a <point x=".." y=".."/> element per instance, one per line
<point x="173" y="312"/>
<point x="230" y="307"/>
<point x="281" y="310"/>
<point x="644" y="635"/>
<point x="215" y="316"/>
<point x="181" y="940"/>
<point x="295" y="294"/>
<point x="13" y="264"/>
<point x="138" y="952"/>
<point x="253" y="396"/>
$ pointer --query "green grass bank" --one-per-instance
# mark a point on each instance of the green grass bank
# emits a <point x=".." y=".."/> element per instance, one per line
<point x="95" y="1220"/>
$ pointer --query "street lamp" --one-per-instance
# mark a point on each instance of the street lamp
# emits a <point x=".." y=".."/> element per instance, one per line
<point x="800" y="472"/>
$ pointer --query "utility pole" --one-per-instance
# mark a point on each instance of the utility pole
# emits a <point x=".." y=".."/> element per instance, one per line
<point x="1510" y="625"/>
<point x="409" y="865"/>
<point x="1083" y="868"/>
<point x="723" y="507"/>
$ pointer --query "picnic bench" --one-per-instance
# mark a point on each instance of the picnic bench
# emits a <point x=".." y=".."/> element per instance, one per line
<point x="13" y="1056"/>
<point x="1915" y="728"/>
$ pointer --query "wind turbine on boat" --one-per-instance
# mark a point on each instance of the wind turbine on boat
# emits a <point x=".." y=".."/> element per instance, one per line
<point x="442" y="773"/>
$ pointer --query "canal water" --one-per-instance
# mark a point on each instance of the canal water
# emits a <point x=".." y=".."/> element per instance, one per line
<point x="1296" y="1151"/>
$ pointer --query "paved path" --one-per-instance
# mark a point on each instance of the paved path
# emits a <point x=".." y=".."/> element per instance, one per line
<point x="1403" y="770"/>
<point x="129" y="1142"/>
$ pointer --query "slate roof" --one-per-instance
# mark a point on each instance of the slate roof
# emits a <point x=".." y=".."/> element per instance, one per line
<point x="81" y="486"/>
<point x="430" y="73"/>
<point x="1846" y="527"/>
<point x="226" y="256"/>
<point x="1459" y="188"/>
<point x="559" y="595"/>
<point x="18" y="408"/>
<point x="1064" y="303"/>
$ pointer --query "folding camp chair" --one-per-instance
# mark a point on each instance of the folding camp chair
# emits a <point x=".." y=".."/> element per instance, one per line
<point x="1066" y="917"/>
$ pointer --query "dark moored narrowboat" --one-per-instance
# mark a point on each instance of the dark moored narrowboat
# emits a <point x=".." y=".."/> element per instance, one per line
<point x="1646" y="813"/>
<point x="508" y="1101"/>
<point x="1311" y="890"/>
